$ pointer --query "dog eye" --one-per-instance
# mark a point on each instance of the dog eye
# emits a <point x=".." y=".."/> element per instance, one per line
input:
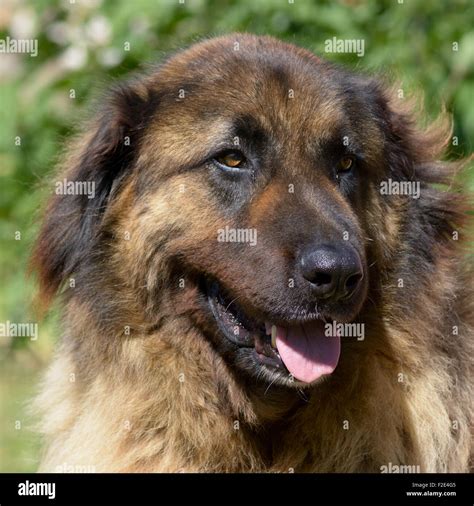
<point x="345" y="164"/>
<point x="231" y="159"/>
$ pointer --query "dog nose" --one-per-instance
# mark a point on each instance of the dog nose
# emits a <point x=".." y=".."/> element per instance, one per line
<point x="333" y="271"/>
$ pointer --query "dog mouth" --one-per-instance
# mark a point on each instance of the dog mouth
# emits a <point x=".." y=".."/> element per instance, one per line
<point x="302" y="350"/>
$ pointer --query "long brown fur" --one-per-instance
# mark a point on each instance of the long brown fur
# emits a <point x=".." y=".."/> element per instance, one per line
<point x="137" y="386"/>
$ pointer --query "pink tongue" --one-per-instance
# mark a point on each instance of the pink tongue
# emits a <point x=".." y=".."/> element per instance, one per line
<point x="307" y="352"/>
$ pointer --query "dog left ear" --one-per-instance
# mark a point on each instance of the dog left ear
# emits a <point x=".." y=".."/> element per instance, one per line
<point x="100" y="161"/>
<point x="415" y="152"/>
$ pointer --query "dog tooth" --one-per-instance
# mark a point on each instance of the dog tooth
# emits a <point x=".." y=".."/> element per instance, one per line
<point x="274" y="335"/>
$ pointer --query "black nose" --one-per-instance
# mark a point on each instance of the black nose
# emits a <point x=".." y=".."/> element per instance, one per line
<point x="333" y="271"/>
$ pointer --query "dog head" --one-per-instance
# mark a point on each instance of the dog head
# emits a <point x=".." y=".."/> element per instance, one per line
<point x="237" y="187"/>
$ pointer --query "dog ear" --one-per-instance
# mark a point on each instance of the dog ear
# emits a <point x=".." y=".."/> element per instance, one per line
<point x="415" y="152"/>
<point x="100" y="160"/>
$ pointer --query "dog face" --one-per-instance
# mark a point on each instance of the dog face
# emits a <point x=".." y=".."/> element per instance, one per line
<point x="236" y="188"/>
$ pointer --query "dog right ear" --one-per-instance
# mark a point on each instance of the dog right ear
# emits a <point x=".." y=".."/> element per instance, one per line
<point x="100" y="161"/>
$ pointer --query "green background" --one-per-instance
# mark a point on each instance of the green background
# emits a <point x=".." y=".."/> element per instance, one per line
<point x="81" y="48"/>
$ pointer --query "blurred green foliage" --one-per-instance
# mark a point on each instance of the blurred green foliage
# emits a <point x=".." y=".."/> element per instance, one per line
<point x="84" y="45"/>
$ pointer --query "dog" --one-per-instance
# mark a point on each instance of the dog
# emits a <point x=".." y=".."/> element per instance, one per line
<point x="268" y="277"/>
